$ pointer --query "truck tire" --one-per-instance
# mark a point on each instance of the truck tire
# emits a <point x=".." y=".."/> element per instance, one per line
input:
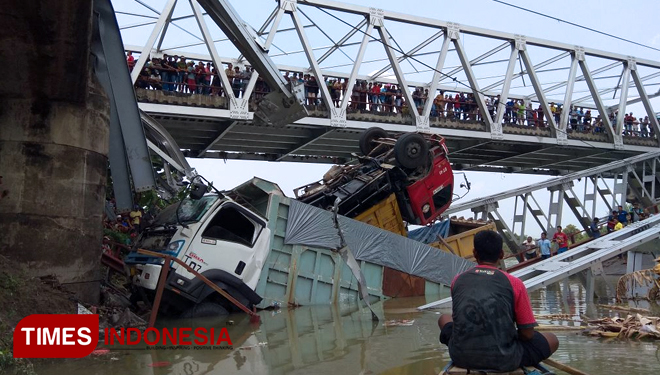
<point x="411" y="150"/>
<point x="367" y="138"/>
<point x="204" y="310"/>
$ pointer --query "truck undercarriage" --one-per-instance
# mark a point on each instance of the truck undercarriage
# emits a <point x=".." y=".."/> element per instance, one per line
<point x="412" y="166"/>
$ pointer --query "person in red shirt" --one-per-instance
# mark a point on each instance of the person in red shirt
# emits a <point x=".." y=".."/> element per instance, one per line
<point x="375" y="97"/>
<point x="492" y="323"/>
<point x="561" y="239"/>
<point x="130" y="60"/>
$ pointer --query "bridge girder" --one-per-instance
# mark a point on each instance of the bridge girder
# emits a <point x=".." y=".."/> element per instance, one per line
<point x="522" y="152"/>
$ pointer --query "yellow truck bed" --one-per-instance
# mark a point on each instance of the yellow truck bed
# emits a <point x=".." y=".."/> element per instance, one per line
<point x="386" y="215"/>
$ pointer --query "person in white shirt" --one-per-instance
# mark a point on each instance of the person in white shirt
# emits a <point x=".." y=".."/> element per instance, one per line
<point x="530" y="248"/>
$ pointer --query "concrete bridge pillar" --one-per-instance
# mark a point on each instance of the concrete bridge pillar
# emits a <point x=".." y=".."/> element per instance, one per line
<point x="53" y="142"/>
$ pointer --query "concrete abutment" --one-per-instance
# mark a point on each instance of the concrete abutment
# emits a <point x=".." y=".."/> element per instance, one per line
<point x="54" y="127"/>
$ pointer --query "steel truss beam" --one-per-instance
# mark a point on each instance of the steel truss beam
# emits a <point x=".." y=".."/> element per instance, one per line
<point x="558" y="133"/>
<point x="587" y="257"/>
<point x="146" y="49"/>
<point x="578" y="79"/>
<point x="538" y="66"/>
<point x="454" y="33"/>
<point x="250" y="40"/>
<point x="606" y="186"/>
<point x="477" y="60"/>
<point x="429" y="22"/>
<point x="408" y="54"/>
<point x="436" y="75"/>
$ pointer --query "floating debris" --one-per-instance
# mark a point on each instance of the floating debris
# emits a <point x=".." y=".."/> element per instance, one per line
<point x="160" y="364"/>
<point x="399" y="323"/>
<point x="100" y="351"/>
<point x="633" y="326"/>
<point x="253" y="346"/>
<point x="624" y="308"/>
<point x="644" y="284"/>
<point x="567" y="317"/>
<point x="555" y="327"/>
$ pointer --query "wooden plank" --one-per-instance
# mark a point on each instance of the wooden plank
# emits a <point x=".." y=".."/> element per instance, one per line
<point x="455" y="370"/>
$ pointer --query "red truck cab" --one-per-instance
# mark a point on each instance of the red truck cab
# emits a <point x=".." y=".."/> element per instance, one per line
<point x="432" y="195"/>
<point x="413" y="166"/>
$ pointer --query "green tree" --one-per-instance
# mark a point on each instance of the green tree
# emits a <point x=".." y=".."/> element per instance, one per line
<point x="575" y="234"/>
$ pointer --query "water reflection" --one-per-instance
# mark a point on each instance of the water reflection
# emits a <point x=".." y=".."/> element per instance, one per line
<point x="342" y="341"/>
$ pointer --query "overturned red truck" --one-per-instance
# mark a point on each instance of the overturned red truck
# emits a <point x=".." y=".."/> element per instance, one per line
<point x="413" y="166"/>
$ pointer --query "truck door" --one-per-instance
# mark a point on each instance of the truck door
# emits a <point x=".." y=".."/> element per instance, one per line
<point x="234" y="240"/>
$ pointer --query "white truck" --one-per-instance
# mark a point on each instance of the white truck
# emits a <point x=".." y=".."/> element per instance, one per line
<point x="215" y="236"/>
<point x="238" y="240"/>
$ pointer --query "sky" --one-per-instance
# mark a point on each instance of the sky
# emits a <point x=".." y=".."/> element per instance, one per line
<point x="635" y="20"/>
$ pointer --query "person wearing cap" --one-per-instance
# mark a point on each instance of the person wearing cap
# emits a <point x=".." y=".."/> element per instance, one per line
<point x="122" y="225"/>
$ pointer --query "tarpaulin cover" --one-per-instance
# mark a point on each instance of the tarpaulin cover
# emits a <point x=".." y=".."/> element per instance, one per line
<point x="312" y="226"/>
<point x="430" y="234"/>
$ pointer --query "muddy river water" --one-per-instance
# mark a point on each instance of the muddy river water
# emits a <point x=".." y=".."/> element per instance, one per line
<point x="343" y="341"/>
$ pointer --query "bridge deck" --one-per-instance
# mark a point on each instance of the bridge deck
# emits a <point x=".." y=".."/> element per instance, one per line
<point x="202" y="125"/>
<point x="589" y="255"/>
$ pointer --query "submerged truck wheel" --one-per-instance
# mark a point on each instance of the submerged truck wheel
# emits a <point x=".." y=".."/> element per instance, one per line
<point x="411" y="150"/>
<point x="368" y="137"/>
<point x="204" y="310"/>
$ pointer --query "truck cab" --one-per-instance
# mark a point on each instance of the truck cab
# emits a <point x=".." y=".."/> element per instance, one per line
<point x="412" y="166"/>
<point x="215" y="236"/>
<point x="430" y="196"/>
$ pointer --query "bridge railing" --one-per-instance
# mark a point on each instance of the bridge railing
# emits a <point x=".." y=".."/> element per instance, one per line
<point x="447" y="44"/>
<point x="589" y="194"/>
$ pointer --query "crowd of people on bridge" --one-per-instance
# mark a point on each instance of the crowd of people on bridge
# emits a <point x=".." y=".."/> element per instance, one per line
<point x="179" y="74"/>
<point x="617" y="220"/>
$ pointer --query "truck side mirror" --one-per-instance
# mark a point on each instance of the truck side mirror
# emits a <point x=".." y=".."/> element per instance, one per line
<point x="197" y="190"/>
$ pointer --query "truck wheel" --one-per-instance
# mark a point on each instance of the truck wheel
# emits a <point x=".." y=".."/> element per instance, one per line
<point x="411" y="150"/>
<point x="204" y="310"/>
<point x="367" y="138"/>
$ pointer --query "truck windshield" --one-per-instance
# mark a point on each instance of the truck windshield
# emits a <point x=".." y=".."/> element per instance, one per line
<point x="189" y="211"/>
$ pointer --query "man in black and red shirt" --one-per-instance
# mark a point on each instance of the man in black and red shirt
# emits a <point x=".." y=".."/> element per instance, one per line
<point x="492" y="324"/>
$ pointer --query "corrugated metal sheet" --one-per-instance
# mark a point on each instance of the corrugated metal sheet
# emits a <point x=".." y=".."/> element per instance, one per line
<point x="302" y="275"/>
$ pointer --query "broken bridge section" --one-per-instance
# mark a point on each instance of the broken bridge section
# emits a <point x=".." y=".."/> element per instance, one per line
<point x="588" y="194"/>
<point x="588" y="257"/>
<point x="610" y="185"/>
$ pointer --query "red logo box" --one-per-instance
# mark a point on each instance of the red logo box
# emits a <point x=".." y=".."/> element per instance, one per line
<point x="56" y="336"/>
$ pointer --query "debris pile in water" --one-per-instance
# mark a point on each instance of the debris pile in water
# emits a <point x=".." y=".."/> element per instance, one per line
<point x="644" y="284"/>
<point x="633" y="326"/>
